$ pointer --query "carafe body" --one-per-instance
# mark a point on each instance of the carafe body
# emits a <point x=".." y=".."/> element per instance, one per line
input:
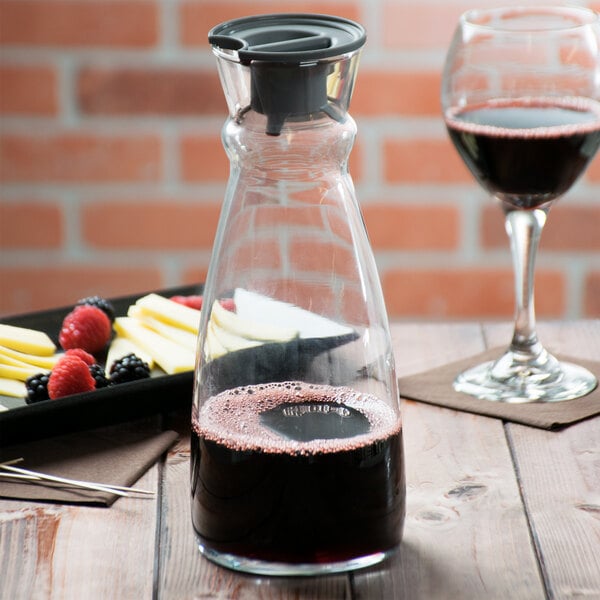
<point x="297" y="463"/>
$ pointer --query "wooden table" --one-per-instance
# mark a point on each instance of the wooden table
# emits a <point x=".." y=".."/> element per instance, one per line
<point x="495" y="510"/>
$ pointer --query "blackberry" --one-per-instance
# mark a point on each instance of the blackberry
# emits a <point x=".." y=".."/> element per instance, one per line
<point x="129" y="368"/>
<point x="37" y="388"/>
<point x="97" y="372"/>
<point x="101" y="303"/>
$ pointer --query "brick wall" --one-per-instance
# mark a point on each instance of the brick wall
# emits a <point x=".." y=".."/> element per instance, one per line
<point x="112" y="171"/>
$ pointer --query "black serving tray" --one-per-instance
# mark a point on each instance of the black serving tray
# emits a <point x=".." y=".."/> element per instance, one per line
<point x="161" y="393"/>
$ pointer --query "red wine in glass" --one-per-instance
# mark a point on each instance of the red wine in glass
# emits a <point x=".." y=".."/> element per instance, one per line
<point x="520" y="98"/>
<point x="526" y="152"/>
<point x="314" y="479"/>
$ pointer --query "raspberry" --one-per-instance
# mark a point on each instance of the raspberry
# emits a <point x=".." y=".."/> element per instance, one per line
<point x="129" y="368"/>
<point x="195" y="301"/>
<point x="99" y="376"/>
<point x="228" y="304"/>
<point x="70" y="375"/>
<point x="37" y="388"/>
<point x="85" y="327"/>
<point x="192" y="301"/>
<point x="101" y="303"/>
<point x="86" y="357"/>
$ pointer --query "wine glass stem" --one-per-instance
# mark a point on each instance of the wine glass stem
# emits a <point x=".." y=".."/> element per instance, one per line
<point x="524" y="228"/>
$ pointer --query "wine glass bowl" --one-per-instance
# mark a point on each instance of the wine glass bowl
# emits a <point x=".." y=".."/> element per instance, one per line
<point x="520" y="99"/>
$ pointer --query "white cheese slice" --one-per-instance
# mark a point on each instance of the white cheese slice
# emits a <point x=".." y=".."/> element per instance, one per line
<point x="264" y="310"/>
<point x="212" y="346"/>
<point x="249" y="328"/>
<point x="232" y="342"/>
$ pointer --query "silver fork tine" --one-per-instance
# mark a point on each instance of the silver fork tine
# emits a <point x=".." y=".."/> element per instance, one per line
<point x="37" y="476"/>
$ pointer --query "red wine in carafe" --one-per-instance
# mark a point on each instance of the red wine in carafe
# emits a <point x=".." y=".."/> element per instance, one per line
<point x="527" y="152"/>
<point x="295" y="473"/>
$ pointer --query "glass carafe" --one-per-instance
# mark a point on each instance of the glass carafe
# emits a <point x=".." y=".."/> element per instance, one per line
<point x="297" y="463"/>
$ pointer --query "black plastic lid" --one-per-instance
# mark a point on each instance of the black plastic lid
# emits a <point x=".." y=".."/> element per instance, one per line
<point x="283" y="51"/>
<point x="289" y="38"/>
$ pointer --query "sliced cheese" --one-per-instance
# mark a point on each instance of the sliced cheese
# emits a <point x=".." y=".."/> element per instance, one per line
<point x="45" y="362"/>
<point x="232" y="342"/>
<point x="20" y="373"/>
<point x="120" y="347"/>
<point x="170" y="357"/>
<point x="185" y="338"/>
<point x="26" y="340"/>
<point x="170" y="312"/>
<point x="212" y="347"/>
<point x="13" y="388"/>
<point x="263" y="309"/>
<point x="247" y="328"/>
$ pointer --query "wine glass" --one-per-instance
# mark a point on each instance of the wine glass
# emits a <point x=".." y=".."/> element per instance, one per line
<point x="520" y="93"/>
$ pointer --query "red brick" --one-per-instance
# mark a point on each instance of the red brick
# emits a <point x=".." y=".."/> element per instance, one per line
<point x="593" y="172"/>
<point x="197" y="18"/>
<point x="196" y="274"/>
<point x="396" y="93"/>
<point x="27" y="224"/>
<point x="353" y="309"/>
<point x="28" y="90"/>
<point x="468" y="293"/>
<point x="68" y="23"/>
<point x="203" y="158"/>
<point x="273" y="216"/>
<point x="355" y="162"/>
<point x="423" y="161"/>
<point x="591" y="302"/>
<point x="80" y="158"/>
<point x="569" y="227"/>
<point x="413" y="25"/>
<point x="412" y="227"/>
<point x="151" y="224"/>
<point x="248" y="254"/>
<point x="150" y="91"/>
<point x="321" y="258"/>
<point x="26" y="289"/>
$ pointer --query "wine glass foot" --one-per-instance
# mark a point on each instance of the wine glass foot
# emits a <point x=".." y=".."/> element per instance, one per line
<point x="514" y="380"/>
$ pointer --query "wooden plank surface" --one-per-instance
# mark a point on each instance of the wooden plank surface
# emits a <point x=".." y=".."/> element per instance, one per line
<point x="67" y="552"/>
<point x="468" y="533"/>
<point x="559" y="474"/>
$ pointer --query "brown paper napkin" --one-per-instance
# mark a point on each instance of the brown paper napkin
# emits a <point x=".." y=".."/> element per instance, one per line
<point x="117" y="455"/>
<point x="435" y="387"/>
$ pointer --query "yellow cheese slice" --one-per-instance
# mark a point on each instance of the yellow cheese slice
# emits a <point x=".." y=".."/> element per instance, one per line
<point x="26" y="340"/>
<point x="185" y="338"/>
<point x="169" y="356"/>
<point x="120" y="347"/>
<point x="20" y="373"/>
<point x="45" y="362"/>
<point x="170" y="312"/>
<point x="12" y="387"/>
